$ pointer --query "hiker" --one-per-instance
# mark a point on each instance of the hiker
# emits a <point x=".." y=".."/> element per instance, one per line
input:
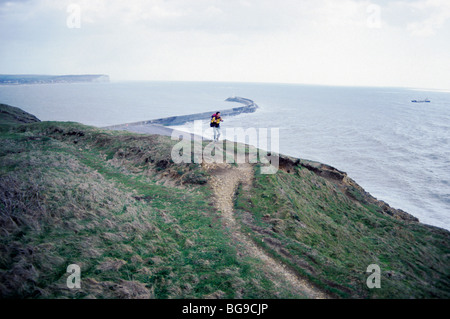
<point x="215" y="124"/>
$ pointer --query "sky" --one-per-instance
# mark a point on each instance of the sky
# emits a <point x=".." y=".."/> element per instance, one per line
<point x="397" y="43"/>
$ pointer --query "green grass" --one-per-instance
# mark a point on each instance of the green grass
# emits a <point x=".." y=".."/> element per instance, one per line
<point x="331" y="240"/>
<point x="141" y="226"/>
<point x="75" y="194"/>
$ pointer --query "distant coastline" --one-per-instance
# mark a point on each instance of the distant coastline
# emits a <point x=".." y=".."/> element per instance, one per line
<point x="17" y="79"/>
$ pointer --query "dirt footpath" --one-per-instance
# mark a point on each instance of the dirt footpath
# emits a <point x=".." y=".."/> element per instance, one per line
<point x="224" y="181"/>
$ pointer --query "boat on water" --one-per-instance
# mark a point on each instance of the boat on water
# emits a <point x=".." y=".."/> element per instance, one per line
<point x="421" y="101"/>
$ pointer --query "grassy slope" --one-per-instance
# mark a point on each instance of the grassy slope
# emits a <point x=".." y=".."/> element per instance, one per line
<point x="141" y="226"/>
<point x="13" y="115"/>
<point x="76" y="194"/>
<point x="310" y="224"/>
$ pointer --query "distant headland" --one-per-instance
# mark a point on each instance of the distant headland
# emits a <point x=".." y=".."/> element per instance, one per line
<point x="48" y="79"/>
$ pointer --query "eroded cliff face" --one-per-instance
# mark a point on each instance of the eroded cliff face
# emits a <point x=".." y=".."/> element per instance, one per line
<point x="354" y="191"/>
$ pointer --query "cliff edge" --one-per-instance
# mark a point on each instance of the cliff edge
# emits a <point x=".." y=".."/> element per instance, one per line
<point x="141" y="226"/>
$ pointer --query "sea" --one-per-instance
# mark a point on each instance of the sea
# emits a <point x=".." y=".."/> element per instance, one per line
<point x="396" y="150"/>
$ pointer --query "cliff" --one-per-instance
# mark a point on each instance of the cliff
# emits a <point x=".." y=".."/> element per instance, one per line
<point x="141" y="226"/>
<point x="345" y="184"/>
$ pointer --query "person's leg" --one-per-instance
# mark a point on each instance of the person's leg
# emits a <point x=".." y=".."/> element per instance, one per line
<point x="218" y="132"/>
<point x="215" y="133"/>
